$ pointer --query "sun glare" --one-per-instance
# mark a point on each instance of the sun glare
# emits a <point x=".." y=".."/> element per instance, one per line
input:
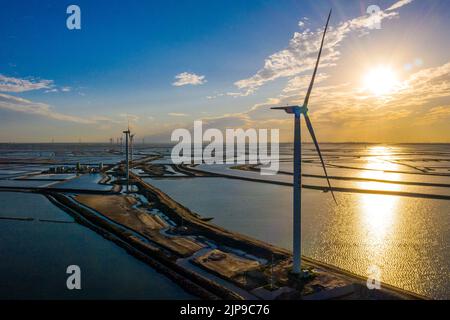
<point x="381" y="81"/>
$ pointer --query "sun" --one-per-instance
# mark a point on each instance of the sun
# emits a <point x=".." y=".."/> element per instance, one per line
<point x="380" y="81"/>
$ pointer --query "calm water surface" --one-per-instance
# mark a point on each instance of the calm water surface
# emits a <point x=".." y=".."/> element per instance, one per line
<point x="408" y="239"/>
<point x="34" y="256"/>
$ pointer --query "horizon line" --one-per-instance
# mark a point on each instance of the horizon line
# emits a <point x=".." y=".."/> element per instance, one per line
<point x="206" y="143"/>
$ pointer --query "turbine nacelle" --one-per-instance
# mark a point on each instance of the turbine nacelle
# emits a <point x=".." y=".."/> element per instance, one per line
<point x="297" y="110"/>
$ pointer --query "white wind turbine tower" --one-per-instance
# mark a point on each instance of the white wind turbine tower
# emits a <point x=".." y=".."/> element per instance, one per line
<point x="298" y="111"/>
<point x="127" y="159"/>
<point x="131" y="148"/>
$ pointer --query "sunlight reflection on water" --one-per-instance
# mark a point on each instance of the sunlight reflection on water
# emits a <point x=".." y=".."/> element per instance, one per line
<point x="407" y="238"/>
<point x="378" y="211"/>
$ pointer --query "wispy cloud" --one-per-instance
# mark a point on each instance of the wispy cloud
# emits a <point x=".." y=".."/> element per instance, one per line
<point x="399" y="4"/>
<point x="177" y="114"/>
<point x="18" y="104"/>
<point x="416" y="99"/>
<point x="187" y="78"/>
<point x="16" y="85"/>
<point x="302" y="82"/>
<point x="345" y="108"/>
<point x="434" y="115"/>
<point x="26" y="106"/>
<point x="336" y="107"/>
<point x="54" y="90"/>
<point x="21" y="105"/>
<point x="301" y="53"/>
<point x="129" y="117"/>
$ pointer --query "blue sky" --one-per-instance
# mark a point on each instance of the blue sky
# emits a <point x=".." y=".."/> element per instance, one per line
<point x="68" y="85"/>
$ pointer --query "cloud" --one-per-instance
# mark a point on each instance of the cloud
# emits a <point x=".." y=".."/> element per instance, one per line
<point x="176" y="114"/>
<point x="18" y="104"/>
<point x="16" y="85"/>
<point x="301" y="53"/>
<point x="424" y="86"/>
<point x="399" y="4"/>
<point x="129" y="117"/>
<point x="215" y="96"/>
<point x="416" y="98"/>
<point x="336" y="104"/>
<point x="303" y="21"/>
<point x="436" y="114"/>
<point x="302" y="82"/>
<point x="54" y="90"/>
<point x="344" y="112"/>
<point x="186" y="78"/>
<point x="346" y="109"/>
<point x="26" y="106"/>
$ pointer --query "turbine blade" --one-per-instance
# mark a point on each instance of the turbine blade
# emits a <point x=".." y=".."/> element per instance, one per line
<point x="279" y="108"/>
<point x="313" y="136"/>
<point x="317" y="63"/>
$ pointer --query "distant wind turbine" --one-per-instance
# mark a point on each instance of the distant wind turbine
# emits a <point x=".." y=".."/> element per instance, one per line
<point x="127" y="160"/>
<point x="298" y="111"/>
<point x="131" y="147"/>
<point x="130" y="142"/>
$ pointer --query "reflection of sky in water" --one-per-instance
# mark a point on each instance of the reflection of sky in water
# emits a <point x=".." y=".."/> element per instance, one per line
<point x="407" y="238"/>
<point x="86" y="181"/>
<point x="35" y="255"/>
<point x="23" y="184"/>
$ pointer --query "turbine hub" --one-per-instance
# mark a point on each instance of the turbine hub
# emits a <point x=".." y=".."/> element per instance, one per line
<point x="303" y="109"/>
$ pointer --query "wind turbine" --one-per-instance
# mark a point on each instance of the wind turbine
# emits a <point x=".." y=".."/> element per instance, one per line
<point x="131" y="148"/>
<point x="127" y="160"/>
<point x="298" y="111"/>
